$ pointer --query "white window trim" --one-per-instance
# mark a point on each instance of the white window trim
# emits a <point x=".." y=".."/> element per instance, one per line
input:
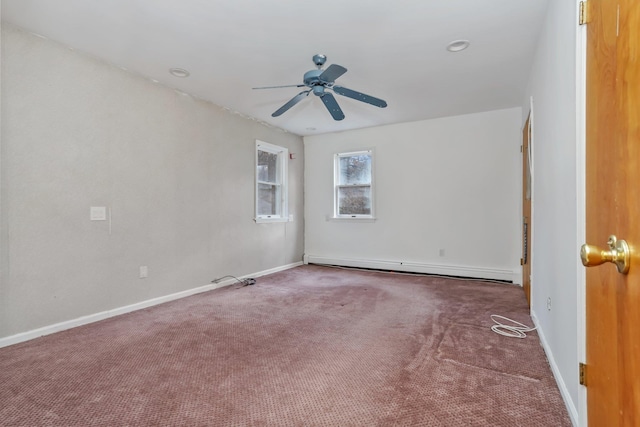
<point x="336" y="171"/>
<point x="283" y="155"/>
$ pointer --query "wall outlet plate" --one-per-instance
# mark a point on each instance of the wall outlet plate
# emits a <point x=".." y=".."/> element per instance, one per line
<point x="98" y="213"/>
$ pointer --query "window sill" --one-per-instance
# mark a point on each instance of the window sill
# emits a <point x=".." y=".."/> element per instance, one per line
<point x="268" y="220"/>
<point x="350" y="219"/>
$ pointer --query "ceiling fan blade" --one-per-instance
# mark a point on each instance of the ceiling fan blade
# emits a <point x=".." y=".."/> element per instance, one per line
<point x="293" y="101"/>
<point x="332" y="73"/>
<point x="332" y="105"/>
<point x="276" y="87"/>
<point x="360" y="96"/>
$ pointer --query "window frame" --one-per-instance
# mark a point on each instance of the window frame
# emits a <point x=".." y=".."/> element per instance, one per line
<point x="282" y="181"/>
<point x="337" y="186"/>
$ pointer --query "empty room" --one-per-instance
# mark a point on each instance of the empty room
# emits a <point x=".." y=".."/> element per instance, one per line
<point x="338" y="213"/>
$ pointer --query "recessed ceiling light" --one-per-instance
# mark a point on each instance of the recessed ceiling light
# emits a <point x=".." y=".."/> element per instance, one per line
<point x="179" y="72"/>
<point x="458" y="45"/>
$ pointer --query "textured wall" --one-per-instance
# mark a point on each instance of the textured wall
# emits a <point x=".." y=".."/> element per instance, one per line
<point x="177" y="174"/>
<point x="450" y="183"/>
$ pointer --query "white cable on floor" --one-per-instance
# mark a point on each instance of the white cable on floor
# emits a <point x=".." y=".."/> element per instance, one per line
<point x="514" y="330"/>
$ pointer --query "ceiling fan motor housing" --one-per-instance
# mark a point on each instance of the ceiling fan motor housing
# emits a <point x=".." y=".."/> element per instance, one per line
<point x="311" y="78"/>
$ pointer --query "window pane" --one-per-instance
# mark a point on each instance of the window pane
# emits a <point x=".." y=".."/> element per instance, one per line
<point x="267" y="166"/>
<point x="355" y="169"/>
<point x="268" y="199"/>
<point x="354" y="201"/>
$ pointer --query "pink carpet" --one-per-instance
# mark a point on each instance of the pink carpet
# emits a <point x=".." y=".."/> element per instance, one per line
<point x="311" y="346"/>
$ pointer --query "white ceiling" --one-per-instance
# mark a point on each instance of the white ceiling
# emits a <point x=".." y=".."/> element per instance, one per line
<point x="392" y="50"/>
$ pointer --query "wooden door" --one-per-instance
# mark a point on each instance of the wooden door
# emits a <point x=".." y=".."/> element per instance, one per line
<point x="526" y="210"/>
<point x="613" y="207"/>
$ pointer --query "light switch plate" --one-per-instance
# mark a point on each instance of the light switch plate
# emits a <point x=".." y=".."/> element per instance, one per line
<point x="98" y="213"/>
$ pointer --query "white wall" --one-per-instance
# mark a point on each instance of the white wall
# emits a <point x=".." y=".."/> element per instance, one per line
<point x="450" y="183"/>
<point x="557" y="195"/>
<point x="176" y="172"/>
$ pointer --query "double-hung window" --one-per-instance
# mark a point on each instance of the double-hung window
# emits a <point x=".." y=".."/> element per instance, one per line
<point x="271" y="182"/>
<point x="353" y="185"/>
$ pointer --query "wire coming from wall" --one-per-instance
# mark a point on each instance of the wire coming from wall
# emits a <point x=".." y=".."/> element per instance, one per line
<point x="244" y="282"/>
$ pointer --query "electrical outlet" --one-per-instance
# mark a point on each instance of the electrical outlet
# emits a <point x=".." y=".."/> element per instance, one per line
<point x="98" y="213"/>
<point x="441" y="251"/>
<point x="549" y="303"/>
<point x="144" y="271"/>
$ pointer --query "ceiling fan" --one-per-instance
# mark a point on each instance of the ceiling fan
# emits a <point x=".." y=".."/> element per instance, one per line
<point x="318" y="81"/>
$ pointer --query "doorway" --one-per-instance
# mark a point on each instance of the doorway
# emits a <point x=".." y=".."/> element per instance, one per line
<point x="525" y="261"/>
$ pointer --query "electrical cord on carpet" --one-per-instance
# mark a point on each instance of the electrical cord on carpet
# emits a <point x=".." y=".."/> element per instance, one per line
<point x="245" y="282"/>
<point x="512" y="330"/>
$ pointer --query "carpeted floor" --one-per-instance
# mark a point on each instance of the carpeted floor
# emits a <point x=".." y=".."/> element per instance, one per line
<point x="310" y="346"/>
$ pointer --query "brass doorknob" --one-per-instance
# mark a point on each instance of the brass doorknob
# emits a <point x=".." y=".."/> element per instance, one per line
<point x="618" y="253"/>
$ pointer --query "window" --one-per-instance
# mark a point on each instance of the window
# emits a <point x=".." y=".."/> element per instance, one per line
<point x="271" y="183"/>
<point x="353" y="177"/>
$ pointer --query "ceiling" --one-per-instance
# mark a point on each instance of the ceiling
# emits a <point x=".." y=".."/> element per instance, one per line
<point x="392" y="50"/>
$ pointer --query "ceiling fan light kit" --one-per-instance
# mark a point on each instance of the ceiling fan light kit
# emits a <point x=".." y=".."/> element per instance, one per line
<point x="318" y="81"/>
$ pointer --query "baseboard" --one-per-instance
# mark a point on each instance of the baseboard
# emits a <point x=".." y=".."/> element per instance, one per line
<point x="446" y="270"/>
<point x="517" y="276"/>
<point x="564" y="391"/>
<point x="62" y="326"/>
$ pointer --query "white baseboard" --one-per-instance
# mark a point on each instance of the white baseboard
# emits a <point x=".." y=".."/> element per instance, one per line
<point x="517" y="276"/>
<point x="564" y="391"/>
<point x="446" y="270"/>
<point x="68" y="324"/>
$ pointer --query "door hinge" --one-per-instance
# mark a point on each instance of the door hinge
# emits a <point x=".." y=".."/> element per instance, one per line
<point x="583" y="374"/>
<point x="583" y="17"/>
<point x="521" y="261"/>
<point x="521" y="148"/>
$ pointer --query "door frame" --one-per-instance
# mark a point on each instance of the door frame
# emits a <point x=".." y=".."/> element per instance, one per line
<point x="528" y="116"/>
<point x="581" y="208"/>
